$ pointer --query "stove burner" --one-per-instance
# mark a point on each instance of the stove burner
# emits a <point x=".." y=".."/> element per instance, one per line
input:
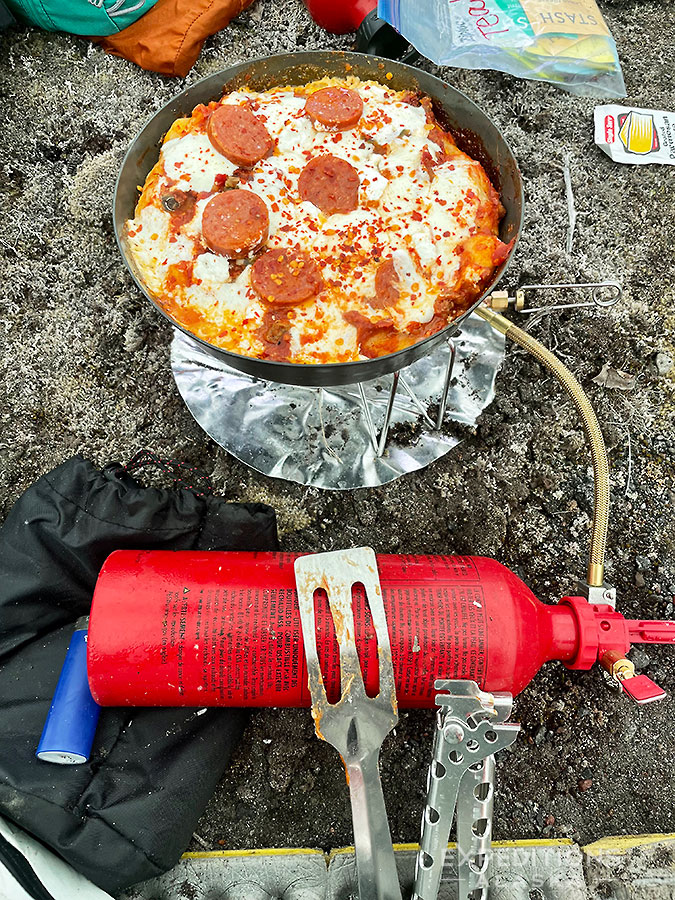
<point x="336" y="438"/>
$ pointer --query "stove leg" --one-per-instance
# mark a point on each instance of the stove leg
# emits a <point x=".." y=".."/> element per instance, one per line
<point x="416" y="402"/>
<point x="446" y="385"/>
<point x="369" y="418"/>
<point x="387" y="416"/>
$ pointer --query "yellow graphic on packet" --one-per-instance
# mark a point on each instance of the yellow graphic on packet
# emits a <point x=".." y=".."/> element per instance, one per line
<point x="638" y="132"/>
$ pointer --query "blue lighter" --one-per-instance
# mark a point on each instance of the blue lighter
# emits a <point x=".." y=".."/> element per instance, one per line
<point x="71" y="722"/>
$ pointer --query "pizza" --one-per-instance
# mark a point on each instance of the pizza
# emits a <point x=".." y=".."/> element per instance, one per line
<point x="326" y="223"/>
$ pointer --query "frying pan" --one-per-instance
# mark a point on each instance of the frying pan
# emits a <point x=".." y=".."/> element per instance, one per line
<point x="471" y="128"/>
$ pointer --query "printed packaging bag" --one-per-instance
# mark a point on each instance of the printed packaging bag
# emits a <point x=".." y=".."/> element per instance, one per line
<point x="637" y="136"/>
<point x="565" y="42"/>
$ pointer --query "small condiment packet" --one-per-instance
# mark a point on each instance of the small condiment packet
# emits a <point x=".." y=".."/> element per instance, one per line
<point x="637" y="136"/>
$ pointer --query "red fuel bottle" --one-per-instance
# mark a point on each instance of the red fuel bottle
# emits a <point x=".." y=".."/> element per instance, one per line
<point x="223" y="629"/>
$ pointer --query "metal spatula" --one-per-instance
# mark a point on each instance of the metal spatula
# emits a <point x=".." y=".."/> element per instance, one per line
<point x="357" y="724"/>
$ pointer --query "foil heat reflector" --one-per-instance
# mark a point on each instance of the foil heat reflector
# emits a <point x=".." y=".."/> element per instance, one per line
<point x="332" y="437"/>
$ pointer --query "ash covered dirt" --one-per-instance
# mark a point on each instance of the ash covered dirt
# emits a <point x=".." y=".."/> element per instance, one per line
<point x="85" y="369"/>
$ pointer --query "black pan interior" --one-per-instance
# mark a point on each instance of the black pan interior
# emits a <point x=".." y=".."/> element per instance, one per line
<point x="472" y="129"/>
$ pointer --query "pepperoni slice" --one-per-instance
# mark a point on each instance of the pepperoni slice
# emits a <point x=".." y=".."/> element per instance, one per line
<point x="330" y="183"/>
<point x="241" y="137"/>
<point x="235" y="222"/>
<point x="387" y="289"/>
<point x="285" y="277"/>
<point x="335" y="107"/>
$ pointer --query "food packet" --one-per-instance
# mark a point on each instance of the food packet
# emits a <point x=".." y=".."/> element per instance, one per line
<point x="637" y="136"/>
<point x="565" y="42"/>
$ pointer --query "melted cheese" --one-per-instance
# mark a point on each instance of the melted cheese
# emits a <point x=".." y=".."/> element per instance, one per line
<point x="417" y="219"/>
<point x="152" y="249"/>
<point x="193" y="162"/>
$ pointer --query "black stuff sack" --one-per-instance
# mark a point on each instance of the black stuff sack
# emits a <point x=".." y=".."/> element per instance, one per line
<point x="128" y="813"/>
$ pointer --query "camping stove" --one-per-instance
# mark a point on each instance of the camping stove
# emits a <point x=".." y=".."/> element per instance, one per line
<point x="365" y="434"/>
<point x="350" y="436"/>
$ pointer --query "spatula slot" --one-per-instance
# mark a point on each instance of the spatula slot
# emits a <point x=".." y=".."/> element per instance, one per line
<point x="366" y="645"/>
<point x="327" y="647"/>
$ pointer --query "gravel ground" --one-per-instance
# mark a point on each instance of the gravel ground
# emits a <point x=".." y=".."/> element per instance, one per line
<point x="85" y="369"/>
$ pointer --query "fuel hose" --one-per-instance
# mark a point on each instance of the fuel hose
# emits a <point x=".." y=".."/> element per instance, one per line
<point x="596" y="563"/>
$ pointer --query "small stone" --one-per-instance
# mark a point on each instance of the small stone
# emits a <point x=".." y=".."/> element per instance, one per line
<point x="639" y="579"/>
<point x="550" y="819"/>
<point x="639" y="659"/>
<point x="584" y="783"/>
<point x="629" y="729"/>
<point x="540" y="735"/>
<point x="643" y="563"/>
<point x="664" y="363"/>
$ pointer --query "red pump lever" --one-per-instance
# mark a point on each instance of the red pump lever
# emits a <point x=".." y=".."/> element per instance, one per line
<point x="641" y="688"/>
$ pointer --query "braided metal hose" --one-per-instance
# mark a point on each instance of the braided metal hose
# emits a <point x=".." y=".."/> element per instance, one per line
<point x="596" y="564"/>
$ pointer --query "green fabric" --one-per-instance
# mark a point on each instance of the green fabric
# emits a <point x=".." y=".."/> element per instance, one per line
<point x="80" y="16"/>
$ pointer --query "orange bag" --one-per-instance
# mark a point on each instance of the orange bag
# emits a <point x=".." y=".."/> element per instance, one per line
<point x="170" y="36"/>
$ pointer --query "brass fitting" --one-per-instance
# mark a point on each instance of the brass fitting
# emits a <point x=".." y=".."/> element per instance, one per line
<point x="617" y="665"/>
<point x="499" y="300"/>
